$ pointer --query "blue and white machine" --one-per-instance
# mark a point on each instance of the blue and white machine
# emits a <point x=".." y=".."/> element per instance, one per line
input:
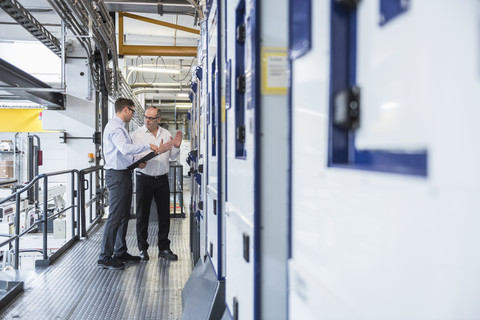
<point x="340" y="170"/>
<point x="385" y="174"/>
<point x="244" y="116"/>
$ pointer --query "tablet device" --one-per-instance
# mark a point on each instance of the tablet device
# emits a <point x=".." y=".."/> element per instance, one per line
<point x="146" y="158"/>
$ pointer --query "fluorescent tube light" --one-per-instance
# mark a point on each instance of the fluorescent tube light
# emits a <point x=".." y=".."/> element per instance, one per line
<point x="159" y="70"/>
<point x="183" y="105"/>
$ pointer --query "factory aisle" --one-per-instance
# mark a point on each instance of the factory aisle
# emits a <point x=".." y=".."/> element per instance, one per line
<point x="74" y="288"/>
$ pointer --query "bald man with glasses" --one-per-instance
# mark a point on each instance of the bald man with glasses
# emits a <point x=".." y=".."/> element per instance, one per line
<point x="152" y="182"/>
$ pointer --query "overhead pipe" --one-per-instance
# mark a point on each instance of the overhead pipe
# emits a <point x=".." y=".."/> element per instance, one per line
<point x="63" y="35"/>
<point x="198" y="9"/>
<point x="66" y="15"/>
<point x="182" y="7"/>
<point x="167" y="91"/>
<point x="153" y="85"/>
<point x="169" y="51"/>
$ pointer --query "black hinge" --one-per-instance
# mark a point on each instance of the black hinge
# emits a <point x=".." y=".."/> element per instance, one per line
<point x="235" y="308"/>
<point x="241" y="133"/>
<point x="241" y="32"/>
<point x="215" y="206"/>
<point x="246" y="247"/>
<point x="346" y="109"/>
<point x="240" y="84"/>
<point x="348" y="4"/>
<point x="63" y="137"/>
<point x="97" y="138"/>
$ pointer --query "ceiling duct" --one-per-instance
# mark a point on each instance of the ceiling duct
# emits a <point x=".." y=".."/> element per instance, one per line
<point x="152" y="6"/>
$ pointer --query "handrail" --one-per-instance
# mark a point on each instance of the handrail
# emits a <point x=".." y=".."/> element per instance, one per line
<point x="40" y="176"/>
<point x="91" y="169"/>
<point x="35" y="224"/>
<point x="82" y="203"/>
<point x="13" y="195"/>
<point x="77" y="191"/>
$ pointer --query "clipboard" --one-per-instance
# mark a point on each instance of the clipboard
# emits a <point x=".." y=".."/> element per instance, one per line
<point x="146" y="158"/>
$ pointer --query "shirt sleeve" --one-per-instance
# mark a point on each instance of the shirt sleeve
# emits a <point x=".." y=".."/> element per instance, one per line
<point x="174" y="152"/>
<point x="121" y="141"/>
<point x="137" y="139"/>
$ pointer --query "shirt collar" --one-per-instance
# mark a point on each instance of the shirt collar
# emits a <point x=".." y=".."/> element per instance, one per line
<point x="117" y="118"/>
<point x="148" y="131"/>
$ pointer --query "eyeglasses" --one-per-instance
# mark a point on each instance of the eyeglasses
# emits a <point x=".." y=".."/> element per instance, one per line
<point x="133" y="110"/>
<point x="151" y="118"/>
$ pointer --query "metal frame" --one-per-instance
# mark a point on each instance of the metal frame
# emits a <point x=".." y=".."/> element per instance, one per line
<point x="30" y="88"/>
<point x="176" y="193"/>
<point x="183" y="51"/>
<point x="15" y="10"/>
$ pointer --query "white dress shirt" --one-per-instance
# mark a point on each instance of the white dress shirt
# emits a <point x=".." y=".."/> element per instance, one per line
<point x="159" y="165"/>
<point x="118" y="149"/>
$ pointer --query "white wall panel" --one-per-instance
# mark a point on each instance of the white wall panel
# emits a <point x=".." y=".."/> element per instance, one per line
<point x="239" y="207"/>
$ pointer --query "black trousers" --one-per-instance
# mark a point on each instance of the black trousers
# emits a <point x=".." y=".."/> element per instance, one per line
<point x="149" y="188"/>
<point x="119" y="184"/>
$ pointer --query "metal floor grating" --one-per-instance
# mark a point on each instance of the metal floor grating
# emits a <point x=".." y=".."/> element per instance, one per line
<point x="74" y="288"/>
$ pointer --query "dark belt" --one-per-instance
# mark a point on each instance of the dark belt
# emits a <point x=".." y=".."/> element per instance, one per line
<point x="151" y="177"/>
<point x="125" y="170"/>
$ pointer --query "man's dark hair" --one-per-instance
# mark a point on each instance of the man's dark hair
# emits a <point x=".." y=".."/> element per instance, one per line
<point x="122" y="103"/>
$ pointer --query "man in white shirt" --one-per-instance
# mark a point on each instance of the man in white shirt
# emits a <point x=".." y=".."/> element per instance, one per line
<point x="118" y="151"/>
<point x="152" y="182"/>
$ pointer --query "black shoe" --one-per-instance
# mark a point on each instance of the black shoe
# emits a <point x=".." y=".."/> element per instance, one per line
<point x="144" y="255"/>
<point x="167" y="254"/>
<point x="126" y="257"/>
<point x="110" y="263"/>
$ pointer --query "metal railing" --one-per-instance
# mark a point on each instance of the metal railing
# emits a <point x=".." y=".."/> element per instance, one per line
<point x="79" y="204"/>
<point x="97" y="197"/>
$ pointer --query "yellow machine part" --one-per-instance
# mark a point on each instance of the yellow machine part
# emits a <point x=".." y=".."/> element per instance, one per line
<point x="21" y="120"/>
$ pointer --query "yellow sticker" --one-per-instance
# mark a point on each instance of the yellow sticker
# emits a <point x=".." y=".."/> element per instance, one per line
<point x="223" y="108"/>
<point x="275" y="71"/>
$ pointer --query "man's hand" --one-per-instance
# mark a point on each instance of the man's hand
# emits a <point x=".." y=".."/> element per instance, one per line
<point x="177" y="141"/>
<point x="154" y="148"/>
<point x="164" y="147"/>
<point x="142" y="165"/>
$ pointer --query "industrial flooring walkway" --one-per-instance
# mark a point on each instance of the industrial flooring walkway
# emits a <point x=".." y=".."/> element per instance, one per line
<point x="74" y="288"/>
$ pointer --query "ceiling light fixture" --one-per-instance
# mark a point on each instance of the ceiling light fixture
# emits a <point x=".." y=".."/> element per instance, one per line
<point x="159" y="70"/>
<point x="166" y="84"/>
<point x="183" y="105"/>
<point x="164" y="65"/>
